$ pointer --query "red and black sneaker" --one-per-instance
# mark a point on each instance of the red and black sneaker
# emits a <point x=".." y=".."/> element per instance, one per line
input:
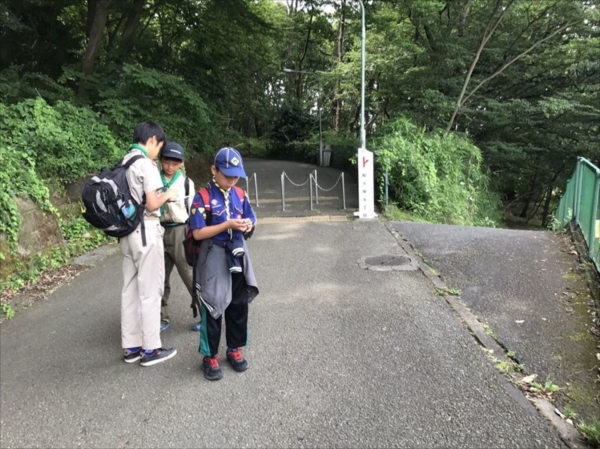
<point x="211" y="368"/>
<point x="237" y="360"/>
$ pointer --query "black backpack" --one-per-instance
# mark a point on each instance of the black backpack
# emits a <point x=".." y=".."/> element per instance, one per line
<point x="108" y="203"/>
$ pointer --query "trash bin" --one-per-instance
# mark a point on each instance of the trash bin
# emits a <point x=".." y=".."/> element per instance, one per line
<point x="326" y="156"/>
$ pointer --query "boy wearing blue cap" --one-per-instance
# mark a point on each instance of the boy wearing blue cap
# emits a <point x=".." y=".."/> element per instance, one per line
<point x="222" y="224"/>
<point x="174" y="215"/>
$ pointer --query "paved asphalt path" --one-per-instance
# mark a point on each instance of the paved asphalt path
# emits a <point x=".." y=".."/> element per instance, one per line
<point x="340" y="357"/>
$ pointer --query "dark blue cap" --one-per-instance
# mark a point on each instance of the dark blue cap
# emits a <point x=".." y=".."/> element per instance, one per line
<point x="229" y="162"/>
<point x="172" y="150"/>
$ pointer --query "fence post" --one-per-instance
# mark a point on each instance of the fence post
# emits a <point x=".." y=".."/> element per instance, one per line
<point x="343" y="192"/>
<point x="592" y="242"/>
<point x="311" y="190"/>
<point x="577" y="196"/>
<point x="255" y="189"/>
<point x="386" y="188"/>
<point x="282" y="191"/>
<point x="247" y="191"/>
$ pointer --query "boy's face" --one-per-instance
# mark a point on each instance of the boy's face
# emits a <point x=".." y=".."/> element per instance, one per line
<point x="170" y="166"/>
<point x="224" y="182"/>
<point x="153" y="147"/>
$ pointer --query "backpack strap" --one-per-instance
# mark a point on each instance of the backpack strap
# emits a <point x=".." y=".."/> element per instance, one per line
<point x="240" y="193"/>
<point x="205" y="194"/>
<point x="186" y="183"/>
<point x="142" y="206"/>
<point x="131" y="160"/>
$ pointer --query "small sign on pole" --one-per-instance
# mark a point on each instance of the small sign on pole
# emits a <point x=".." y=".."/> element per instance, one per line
<point x="366" y="192"/>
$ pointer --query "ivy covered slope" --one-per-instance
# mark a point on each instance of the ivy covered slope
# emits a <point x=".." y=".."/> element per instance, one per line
<point x="44" y="148"/>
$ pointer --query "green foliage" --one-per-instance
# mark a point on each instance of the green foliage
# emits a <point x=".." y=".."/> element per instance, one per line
<point x="28" y="270"/>
<point x="18" y="177"/>
<point x="138" y="94"/>
<point x="64" y="141"/>
<point x="43" y="144"/>
<point x="81" y="237"/>
<point x="438" y="176"/>
<point x="17" y="84"/>
<point x="8" y="311"/>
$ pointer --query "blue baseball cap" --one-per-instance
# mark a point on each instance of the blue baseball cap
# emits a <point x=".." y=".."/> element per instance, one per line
<point x="229" y="161"/>
<point x="172" y="150"/>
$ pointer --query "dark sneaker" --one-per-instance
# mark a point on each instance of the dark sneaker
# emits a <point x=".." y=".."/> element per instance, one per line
<point x="132" y="356"/>
<point x="237" y="360"/>
<point x="196" y="327"/>
<point x="211" y="368"/>
<point x="164" y="325"/>
<point x="158" y="355"/>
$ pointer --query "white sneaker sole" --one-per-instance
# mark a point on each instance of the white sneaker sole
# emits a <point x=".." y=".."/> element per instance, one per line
<point x="162" y="359"/>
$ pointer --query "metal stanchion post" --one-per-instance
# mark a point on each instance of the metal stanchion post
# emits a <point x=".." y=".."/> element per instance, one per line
<point x="387" y="183"/>
<point x="256" y="189"/>
<point x="316" y="187"/>
<point x="247" y="191"/>
<point x="343" y="191"/>
<point x="311" y="190"/>
<point x="282" y="192"/>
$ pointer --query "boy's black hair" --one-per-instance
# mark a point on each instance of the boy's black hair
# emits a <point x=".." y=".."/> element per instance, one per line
<point x="147" y="130"/>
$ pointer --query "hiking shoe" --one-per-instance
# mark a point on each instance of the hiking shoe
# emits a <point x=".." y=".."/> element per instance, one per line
<point x="211" y="368"/>
<point x="164" y="325"/>
<point x="196" y="327"/>
<point x="157" y="356"/>
<point x="237" y="360"/>
<point x="132" y="356"/>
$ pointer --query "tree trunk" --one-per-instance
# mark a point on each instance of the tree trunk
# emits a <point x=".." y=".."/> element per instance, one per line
<point x="546" y="211"/>
<point x="95" y="35"/>
<point x="133" y="20"/>
<point x="532" y="186"/>
<point x="463" y="18"/>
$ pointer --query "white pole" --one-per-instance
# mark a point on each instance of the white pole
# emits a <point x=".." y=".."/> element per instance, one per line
<point x="316" y="187"/>
<point x="282" y="192"/>
<point x="256" y="189"/>
<point x="363" y="135"/>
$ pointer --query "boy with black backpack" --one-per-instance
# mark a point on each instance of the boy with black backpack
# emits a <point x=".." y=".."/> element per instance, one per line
<point x="222" y="218"/>
<point x="143" y="253"/>
<point x="173" y="216"/>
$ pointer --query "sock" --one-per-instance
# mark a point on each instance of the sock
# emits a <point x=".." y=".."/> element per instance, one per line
<point x="148" y="351"/>
<point x="136" y="349"/>
<point x="231" y="349"/>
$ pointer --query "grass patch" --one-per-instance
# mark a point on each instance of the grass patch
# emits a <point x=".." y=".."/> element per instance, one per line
<point x="591" y="432"/>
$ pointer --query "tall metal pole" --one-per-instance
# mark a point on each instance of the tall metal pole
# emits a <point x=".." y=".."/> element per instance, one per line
<point x="320" y="127"/>
<point x="363" y="135"/>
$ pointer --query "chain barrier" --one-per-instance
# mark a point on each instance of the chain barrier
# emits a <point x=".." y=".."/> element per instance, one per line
<point x="312" y="178"/>
<point x="292" y="182"/>
<point x="329" y="190"/>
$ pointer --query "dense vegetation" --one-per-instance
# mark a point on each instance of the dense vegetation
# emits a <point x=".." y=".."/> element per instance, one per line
<point x="468" y="102"/>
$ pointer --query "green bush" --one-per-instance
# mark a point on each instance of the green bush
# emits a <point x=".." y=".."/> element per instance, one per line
<point x="139" y="94"/>
<point x="43" y="145"/>
<point x="64" y="141"/>
<point x="438" y="176"/>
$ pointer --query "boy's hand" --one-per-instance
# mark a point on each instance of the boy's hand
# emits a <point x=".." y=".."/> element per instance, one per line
<point x="240" y="224"/>
<point x="172" y="194"/>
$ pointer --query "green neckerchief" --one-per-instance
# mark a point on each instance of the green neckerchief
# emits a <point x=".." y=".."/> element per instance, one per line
<point x="137" y="146"/>
<point x="167" y="185"/>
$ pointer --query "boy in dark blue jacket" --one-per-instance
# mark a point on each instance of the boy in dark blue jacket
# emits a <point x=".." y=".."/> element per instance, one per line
<point x="222" y="226"/>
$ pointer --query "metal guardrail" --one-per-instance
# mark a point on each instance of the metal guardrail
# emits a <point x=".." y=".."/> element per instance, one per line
<point x="579" y="204"/>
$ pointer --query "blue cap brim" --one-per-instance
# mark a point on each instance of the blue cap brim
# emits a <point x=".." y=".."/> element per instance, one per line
<point x="233" y="171"/>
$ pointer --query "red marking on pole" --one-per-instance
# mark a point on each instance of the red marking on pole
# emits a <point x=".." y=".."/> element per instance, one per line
<point x="365" y="160"/>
